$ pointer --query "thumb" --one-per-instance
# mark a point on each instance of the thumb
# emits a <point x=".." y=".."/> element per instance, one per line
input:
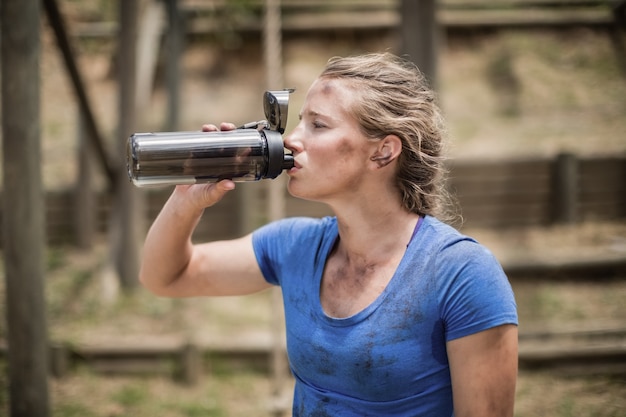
<point x="215" y="192"/>
<point x="226" y="185"/>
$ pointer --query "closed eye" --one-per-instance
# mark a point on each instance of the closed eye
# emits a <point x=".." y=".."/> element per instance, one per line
<point x="314" y="119"/>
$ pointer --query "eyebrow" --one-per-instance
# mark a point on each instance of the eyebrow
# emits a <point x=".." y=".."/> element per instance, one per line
<point x="313" y="113"/>
<point x="308" y="113"/>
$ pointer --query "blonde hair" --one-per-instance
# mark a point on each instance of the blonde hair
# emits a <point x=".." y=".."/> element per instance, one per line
<point x="395" y="98"/>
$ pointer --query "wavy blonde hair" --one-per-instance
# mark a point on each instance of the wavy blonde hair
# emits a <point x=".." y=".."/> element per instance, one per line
<point x="395" y="98"/>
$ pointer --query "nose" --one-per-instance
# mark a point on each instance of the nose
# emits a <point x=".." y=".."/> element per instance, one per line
<point x="292" y="141"/>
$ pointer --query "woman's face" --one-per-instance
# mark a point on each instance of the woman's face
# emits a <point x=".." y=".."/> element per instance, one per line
<point x="330" y="151"/>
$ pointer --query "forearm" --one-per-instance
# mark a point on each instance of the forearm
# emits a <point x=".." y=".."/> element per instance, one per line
<point x="168" y="249"/>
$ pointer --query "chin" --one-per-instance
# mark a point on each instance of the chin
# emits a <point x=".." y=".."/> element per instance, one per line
<point x="299" y="190"/>
<point x="292" y="188"/>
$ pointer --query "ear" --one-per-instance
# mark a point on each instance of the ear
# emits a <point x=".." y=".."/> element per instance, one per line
<point x="387" y="150"/>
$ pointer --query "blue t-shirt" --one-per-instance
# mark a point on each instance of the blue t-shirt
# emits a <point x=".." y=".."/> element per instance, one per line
<point x="390" y="358"/>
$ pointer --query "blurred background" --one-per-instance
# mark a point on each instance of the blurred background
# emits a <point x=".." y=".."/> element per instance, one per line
<point x="534" y="97"/>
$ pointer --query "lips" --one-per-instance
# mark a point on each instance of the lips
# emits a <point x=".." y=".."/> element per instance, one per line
<point x="295" y="168"/>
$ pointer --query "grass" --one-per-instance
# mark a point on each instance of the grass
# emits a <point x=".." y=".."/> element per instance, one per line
<point x="244" y="393"/>
<point x="227" y="395"/>
<point x="540" y="394"/>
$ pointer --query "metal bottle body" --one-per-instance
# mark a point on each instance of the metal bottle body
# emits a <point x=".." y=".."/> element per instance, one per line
<point x="172" y="158"/>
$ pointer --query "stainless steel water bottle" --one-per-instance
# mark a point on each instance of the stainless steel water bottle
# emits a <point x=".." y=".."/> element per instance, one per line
<point x="252" y="152"/>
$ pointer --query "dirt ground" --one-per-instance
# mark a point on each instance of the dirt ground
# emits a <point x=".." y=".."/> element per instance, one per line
<point x="553" y="92"/>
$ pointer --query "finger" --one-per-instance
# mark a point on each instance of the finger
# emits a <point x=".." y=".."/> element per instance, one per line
<point x="209" y="128"/>
<point x="227" y="126"/>
<point x="215" y="192"/>
<point x="226" y="185"/>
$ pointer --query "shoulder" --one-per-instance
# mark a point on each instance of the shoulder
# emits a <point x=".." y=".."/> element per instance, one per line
<point x="451" y="258"/>
<point x="296" y="228"/>
<point x="293" y="241"/>
<point x="469" y="278"/>
<point x="459" y="261"/>
<point x="294" y="235"/>
<point x="440" y="238"/>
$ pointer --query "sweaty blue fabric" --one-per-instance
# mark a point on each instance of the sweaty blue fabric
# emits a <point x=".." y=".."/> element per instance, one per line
<point x="390" y="358"/>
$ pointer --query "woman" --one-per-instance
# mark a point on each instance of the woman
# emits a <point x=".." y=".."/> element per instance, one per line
<point x="388" y="310"/>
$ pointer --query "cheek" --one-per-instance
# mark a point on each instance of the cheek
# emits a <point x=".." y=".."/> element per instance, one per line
<point x="349" y="151"/>
<point x="353" y="157"/>
<point x="346" y="150"/>
<point x="329" y="166"/>
<point x="344" y="164"/>
<point x="339" y="154"/>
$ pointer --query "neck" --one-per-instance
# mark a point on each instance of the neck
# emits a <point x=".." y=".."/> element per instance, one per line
<point x="374" y="234"/>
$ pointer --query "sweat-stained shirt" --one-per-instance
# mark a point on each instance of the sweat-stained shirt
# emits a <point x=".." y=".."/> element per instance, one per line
<point x="390" y="358"/>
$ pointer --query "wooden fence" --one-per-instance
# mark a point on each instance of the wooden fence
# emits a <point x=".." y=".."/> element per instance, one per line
<point x="504" y="193"/>
<point x="591" y="350"/>
<point x="540" y="191"/>
<point x="212" y="16"/>
<point x="494" y="194"/>
<point x="204" y="17"/>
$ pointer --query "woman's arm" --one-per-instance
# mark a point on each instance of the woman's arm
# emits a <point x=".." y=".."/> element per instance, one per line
<point x="483" y="367"/>
<point x="173" y="266"/>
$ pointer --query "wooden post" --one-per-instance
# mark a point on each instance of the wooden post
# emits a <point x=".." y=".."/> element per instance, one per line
<point x="148" y="38"/>
<point x="419" y="34"/>
<point x="174" y="49"/>
<point x="84" y="196"/>
<point x="23" y="210"/>
<point x="59" y="360"/>
<point x="190" y="364"/>
<point x="272" y="43"/>
<point x="126" y="221"/>
<point x="249" y="215"/>
<point x="565" y="189"/>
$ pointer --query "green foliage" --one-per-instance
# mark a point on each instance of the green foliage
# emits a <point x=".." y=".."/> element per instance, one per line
<point x="504" y="81"/>
<point x="73" y="410"/>
<point x="545" y="302"/>
<point x="200" y="410"/>
<point x="55" y="259"/>
<point x="566" y="407"/>
<point x="131" y="396"/>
